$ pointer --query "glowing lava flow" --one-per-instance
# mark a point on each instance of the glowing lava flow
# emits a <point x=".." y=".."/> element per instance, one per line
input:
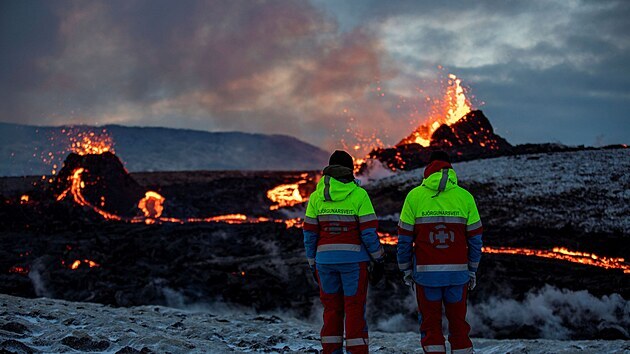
<point x="75" y="265"/>
<point x="19" y="270"/>
<point x="227" y="219"/>
<point x="286" y="195"/>
<point x="76" y="186"/>
<point x="449" y="110"/>
<point x="559" y="253"/>
<point x="564" y="254"/>
<point x="152" y="206"/>
<point x="388" y="239"/>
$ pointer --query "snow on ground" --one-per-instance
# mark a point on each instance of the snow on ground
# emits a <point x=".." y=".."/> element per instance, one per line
<point x="31" y="325"/>
<point x="587" y="189"/>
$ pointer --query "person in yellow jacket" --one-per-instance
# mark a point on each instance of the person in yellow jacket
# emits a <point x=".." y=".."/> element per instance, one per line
<point x="340" y="241"/>
<point x="439" y="248"/>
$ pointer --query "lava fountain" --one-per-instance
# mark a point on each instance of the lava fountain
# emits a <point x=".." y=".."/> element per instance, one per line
<point x="451" y="108"/>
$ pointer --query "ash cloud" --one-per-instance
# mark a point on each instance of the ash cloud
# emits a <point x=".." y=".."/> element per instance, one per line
<point x="546" y="70"/>
<point x="272" y="67"/>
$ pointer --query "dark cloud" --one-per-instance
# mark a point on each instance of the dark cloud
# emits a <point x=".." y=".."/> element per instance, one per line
<point x="314" y="69"/>
<point x="27" y="34"/>
<point x="546" y="70"/>
<point x="267" y="66"/>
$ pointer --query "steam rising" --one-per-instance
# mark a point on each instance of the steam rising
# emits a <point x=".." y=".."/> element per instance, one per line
<point x="35" y="275"/>
<point x="554" y="313"/>
<point x="549" y="313"/>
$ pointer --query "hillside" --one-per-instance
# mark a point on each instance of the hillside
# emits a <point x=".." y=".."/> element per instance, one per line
<point x="23" y="149"/>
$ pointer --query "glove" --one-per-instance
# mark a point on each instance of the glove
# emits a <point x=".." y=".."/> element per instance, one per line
<point x="314" y="274"/>
<point x="376" y="271"/>
<point x="473" y="280"/>
<point x="408" y="278"/>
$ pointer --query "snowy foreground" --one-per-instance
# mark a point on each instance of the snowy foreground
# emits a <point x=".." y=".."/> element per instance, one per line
<point x="32" y="325"/>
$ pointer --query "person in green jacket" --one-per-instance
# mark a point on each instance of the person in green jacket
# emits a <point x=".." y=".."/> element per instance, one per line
<point x="340" y="241"/>
<point x="439" y="248"/>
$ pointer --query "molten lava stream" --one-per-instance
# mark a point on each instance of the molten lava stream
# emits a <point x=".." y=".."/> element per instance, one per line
<point x="559" y="253"/>
<point x="564" y="254"/>
<point x="151" y="206"/>
<point x="76" y="186"/>
<point x="388" y="239"/>
<point x="286" y="195"/>
<point x="76" y="264"/>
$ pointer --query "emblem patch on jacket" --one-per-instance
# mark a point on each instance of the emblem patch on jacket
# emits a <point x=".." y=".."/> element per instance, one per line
<point x="440" y="234"/>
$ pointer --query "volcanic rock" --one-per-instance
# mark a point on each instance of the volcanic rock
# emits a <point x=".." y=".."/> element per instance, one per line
<point x="201" y="332"/>
<point x="15" y="327"/>
<point x="130" y="350"/>
<point x="107" y="184"/>
<point x="85" y="343"/>
<point x="14" y="346"/>
<point x="472" y="132"/>
<point x="470" y="138"/>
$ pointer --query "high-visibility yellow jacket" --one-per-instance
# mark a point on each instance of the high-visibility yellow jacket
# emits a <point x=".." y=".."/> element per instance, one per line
<point x="340" y="224"/>
<point x="439" y="233"/>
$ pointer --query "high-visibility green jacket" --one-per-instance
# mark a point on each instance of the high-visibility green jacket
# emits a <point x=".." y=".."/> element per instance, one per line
<point x="439" y="233"/>
<point x="340" y="224"/>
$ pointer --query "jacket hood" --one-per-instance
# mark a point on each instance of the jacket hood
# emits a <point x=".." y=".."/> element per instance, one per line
<point x="340" y="173"/>
<point x="331" y="189"/>
<point x="442" y="180"/>
<point x="435" y="166"/>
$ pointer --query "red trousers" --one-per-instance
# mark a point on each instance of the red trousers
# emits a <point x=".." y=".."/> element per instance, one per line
<point x="343" y="292"/>
<point x="430" y="300"/>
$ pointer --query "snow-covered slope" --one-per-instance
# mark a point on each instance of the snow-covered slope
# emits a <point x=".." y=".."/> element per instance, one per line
<point x="589" y="190"/>
<point x="28" y="325"/>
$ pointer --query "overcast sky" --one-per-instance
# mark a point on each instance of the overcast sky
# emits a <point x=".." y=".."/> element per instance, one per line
<point x="542" y="71"/>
